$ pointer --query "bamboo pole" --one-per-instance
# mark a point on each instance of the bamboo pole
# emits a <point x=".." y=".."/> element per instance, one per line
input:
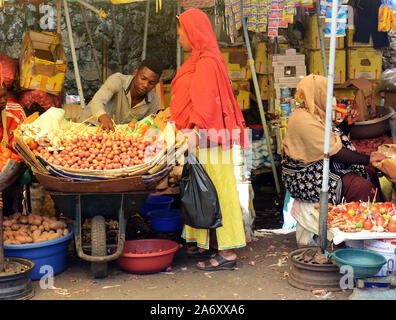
<point x="104" y="60"/>
<point x="74" y="57"/>
<point x="146" y="21"/>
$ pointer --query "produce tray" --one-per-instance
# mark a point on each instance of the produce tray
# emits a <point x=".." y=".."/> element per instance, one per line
<point x="341" y="236"/>
<point x="67" y="185"/>
<point x="99" y="174"/>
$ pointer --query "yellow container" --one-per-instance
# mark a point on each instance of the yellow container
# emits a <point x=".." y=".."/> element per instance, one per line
<point x="167" y="95"/>
<point x="315" y="64"/>
<point x="349" y="40"/>
<point x="42" y="62"/>
<point x="264" y="85"/>
<point x="312" y="40"/>
<point x="236" y="60"/>
<point x="261" y="61"/>
<point x="364" y="63"/>
<point x="243" y="96"/>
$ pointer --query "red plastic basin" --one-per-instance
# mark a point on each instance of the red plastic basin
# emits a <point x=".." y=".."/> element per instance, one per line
<point x="144" y="263"/>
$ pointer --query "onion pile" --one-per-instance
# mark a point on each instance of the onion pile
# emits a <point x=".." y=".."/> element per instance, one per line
<point x="102" y="150"/>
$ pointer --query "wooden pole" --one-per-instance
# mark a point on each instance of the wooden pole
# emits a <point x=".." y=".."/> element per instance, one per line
<point x="59" y="15"/>
<point x="104" y="60"/>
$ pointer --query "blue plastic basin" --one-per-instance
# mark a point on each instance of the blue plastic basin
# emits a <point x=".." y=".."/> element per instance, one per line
<point x="156" y="203"/>
<point x="165" y="220"/>
<point x="48" y="253"/>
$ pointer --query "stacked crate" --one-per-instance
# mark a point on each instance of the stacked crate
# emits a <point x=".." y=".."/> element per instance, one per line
<point x="287" y="71"/>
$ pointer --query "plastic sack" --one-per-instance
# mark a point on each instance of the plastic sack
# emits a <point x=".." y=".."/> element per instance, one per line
<point x="288" y="221"/>
<point x="388" y="81"/>
<point x="200" y="206"/>
<point x="8" y="69"/>
<point x="44" y="99"/>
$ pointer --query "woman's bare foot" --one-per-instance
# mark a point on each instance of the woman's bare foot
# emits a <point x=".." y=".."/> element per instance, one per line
<point x="226" y="254"/>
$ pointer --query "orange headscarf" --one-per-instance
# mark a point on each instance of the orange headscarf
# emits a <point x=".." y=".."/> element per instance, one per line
<point x="201" y="91"/>
<point x="305" y="135"/>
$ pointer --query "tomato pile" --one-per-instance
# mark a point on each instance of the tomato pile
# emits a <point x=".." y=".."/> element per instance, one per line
<point x="5" y="155"/>
<point x="359" y="216"/>
<point x="102" y="151"/>
<point x="138" y="251"/>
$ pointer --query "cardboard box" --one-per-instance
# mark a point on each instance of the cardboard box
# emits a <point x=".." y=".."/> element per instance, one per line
<point x="243" y="96"/>
<point x="315" y="64"/>
<point x="364" y="97"/>
<point x="364" y="63"/>
<point x="351" y="44"/>
<point x="236" y="60"/>
<point x="72" y="112"/>
<point x="42" y="62"/>
<point x="261" y="61"/>
<point x="264" y="85"/>
<point x="312" y="39"/>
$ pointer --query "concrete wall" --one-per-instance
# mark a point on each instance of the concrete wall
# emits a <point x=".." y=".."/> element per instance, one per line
<point x="130" y="29"/>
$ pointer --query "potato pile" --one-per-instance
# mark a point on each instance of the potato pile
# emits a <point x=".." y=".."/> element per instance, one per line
<point x="22" y="229"/>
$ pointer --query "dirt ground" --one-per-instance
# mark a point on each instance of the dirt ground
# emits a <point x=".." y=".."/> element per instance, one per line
<point x="261" y="275"/>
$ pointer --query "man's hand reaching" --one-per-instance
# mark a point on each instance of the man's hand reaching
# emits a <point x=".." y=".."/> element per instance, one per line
<point x="106" y="123"/>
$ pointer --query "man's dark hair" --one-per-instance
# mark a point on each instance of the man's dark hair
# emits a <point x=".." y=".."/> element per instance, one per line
<point x="153" y="64"/>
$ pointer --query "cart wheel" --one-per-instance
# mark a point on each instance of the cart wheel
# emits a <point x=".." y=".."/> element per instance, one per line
<point x="99" y="248"/>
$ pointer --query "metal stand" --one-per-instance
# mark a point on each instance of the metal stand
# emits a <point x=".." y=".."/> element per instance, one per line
<point x="326" y="160"/>
<point x="322" y="44"/>
<point x="360" y="292"/>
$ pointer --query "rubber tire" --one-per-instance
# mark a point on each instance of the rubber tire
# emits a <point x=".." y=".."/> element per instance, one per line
<point x="99" y="247"/>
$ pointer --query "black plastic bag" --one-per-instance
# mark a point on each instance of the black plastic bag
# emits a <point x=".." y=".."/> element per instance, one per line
<point x="200" y="206"/>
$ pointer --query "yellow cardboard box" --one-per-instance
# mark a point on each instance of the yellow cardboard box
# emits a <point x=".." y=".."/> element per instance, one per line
<point x="364" y="63"/>
<point x="243" y="96"/>
<point x="315" y="64"/>
<point x="261" y="61"/>
<point x="312" y="40"/>
<point x="42" y="62"/>
<point x="264" y="85"/>
<point x="349" y="40"/>
<point x="236" y="60"/>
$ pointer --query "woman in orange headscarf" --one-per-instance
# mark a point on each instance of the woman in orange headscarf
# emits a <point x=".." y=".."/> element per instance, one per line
<point x="203" y="100"/>
<point x="350" y="175"/>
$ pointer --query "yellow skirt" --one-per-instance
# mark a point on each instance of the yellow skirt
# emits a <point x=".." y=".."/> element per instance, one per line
<point x="218" y="164"/>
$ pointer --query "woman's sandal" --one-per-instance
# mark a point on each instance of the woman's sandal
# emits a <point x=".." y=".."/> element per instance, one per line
<point x="224" y="264"/>
<point x="196" y="254"/>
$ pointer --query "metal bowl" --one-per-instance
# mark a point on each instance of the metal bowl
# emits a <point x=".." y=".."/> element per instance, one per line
<point x="365" y="263"/>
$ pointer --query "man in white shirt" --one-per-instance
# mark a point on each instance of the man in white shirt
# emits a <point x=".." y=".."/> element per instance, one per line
<point x="123" y="98"/>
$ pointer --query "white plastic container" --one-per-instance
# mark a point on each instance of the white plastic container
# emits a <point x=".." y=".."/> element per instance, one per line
<point x="385" y="247"/>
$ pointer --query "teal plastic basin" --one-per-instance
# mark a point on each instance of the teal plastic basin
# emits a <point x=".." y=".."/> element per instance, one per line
<point x="365" y="263"/>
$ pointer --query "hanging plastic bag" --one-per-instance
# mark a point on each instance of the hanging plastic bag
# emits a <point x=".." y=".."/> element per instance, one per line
<point x="384" y="18"/>
<point x="200" y="207"/>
